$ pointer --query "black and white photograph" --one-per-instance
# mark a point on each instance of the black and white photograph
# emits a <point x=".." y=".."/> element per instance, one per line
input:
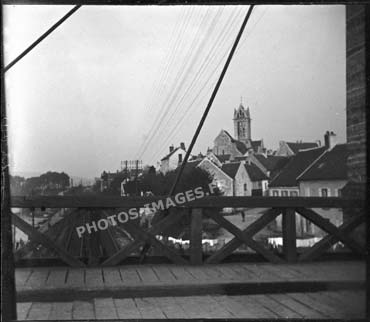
<point x="172" y="160"/>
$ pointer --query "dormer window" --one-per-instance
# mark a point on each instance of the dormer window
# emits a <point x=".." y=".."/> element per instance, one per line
<point x="180" y="158"/>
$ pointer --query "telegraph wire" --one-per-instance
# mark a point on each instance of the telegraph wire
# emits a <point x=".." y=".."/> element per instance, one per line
<point x="182" y="77"/>
<point x="204" y="65"/>
<point x="157" y="83"/>
<point x="216" y="45"/>
<point x="178" y="125"/>
<point x="173" y="53"/>
<point x="170" y="96"/>
<point x="214" y="93"/>
<point x="177" y="45"/>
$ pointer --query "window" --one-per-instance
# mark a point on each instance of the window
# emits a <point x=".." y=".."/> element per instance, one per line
<point x="284" y="193"/>
<point x="339" y="192"/>
<point x="245" y="187"/>
<point x="294" y="193"/>
<point x="266" y="185"/>
<point x="275" y="193"/>
<point x="324" y="192"/>
<point x="180" y="158"/>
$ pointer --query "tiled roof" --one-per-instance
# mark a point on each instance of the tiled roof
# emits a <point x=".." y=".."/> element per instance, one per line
<point x="330" y="166"/>
<point x="241" y="146"/>
<point x="295" y="147"/>
<point x="243" y="158"/>
<point x="255" y="173"/>
<point x="169" y="154"/>
<point x="223" y="157"/>
<point x="272" y="162"/>
<point x="231" y="168"/>
<point x="296" y="165"/>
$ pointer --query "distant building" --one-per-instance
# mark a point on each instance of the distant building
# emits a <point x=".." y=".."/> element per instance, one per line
<point x="173" y="158"/>
<point x="107" y="178"/>
<point x="242" y="184"/>
<point x="241" y="144"/>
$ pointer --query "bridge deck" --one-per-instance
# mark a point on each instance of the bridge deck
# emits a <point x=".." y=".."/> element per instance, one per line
<point x="317" y="305"/>
<point x="258" y="290"/>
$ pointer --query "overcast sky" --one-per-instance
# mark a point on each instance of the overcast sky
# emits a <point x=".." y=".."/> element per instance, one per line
<point x="119" y="83"/>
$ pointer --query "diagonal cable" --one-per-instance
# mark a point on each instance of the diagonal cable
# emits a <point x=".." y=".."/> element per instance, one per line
<point x="42" y="37"/>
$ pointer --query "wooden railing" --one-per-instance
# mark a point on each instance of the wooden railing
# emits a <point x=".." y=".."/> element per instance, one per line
<point x="102" y="207"/>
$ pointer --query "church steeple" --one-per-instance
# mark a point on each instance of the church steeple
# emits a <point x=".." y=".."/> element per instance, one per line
<point x="242" y="123"/>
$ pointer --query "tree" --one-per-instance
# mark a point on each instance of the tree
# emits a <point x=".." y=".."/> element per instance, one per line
<point x="47" y="183"/>
<point x="161" y="185"/>
<point x="16" y="184"/>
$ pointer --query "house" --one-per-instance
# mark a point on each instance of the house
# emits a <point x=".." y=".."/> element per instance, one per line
<point x="242" y="185"/>
<point x="292" y="148"/>
<point x="242" y="143"/>
<point x="259" y="179"/>
<point x="248" y="179"/>
<point x="318" y="172"/>
<point x="327" y="175"/>
<point x="271" y="165"/>
<point x="285" y="183"/>
<point x="173" y="158"/>
<point x="223" y="181"/>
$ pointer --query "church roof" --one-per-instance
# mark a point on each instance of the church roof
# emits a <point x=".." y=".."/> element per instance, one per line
<point x="239" y="144"/>
<point x="223" y="157"/>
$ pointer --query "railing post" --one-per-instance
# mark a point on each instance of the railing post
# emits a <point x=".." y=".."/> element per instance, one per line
<point x="289" y="235"/>
<point x="196" y="251"/>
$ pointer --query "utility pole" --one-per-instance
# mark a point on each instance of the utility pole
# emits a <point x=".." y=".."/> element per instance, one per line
<point x="132" y="167"/>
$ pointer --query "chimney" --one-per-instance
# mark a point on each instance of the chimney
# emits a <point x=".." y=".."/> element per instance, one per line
<point x="330" y="139"/>
<point x="171" y="148"/>
<point x="182" y="146"/>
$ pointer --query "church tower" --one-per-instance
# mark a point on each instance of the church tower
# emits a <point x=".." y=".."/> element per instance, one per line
<point x="242" y="124"/>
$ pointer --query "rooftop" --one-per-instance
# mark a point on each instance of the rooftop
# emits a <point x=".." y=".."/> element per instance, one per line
<point x="330" y="166"/>
<point x="297" y="146"/>
<point x="296" y="165"/>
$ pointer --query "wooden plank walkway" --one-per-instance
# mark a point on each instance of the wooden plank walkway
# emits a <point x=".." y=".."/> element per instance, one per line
<point x="61" y="284"/>
<point x="317" y="305"/>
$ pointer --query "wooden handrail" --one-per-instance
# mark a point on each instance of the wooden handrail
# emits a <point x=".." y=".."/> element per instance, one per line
<point x="206" y="202"/>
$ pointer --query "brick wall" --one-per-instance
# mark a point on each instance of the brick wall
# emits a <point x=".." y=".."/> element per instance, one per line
<point x="356" y="92"/>
<point x="357" y="43"/>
